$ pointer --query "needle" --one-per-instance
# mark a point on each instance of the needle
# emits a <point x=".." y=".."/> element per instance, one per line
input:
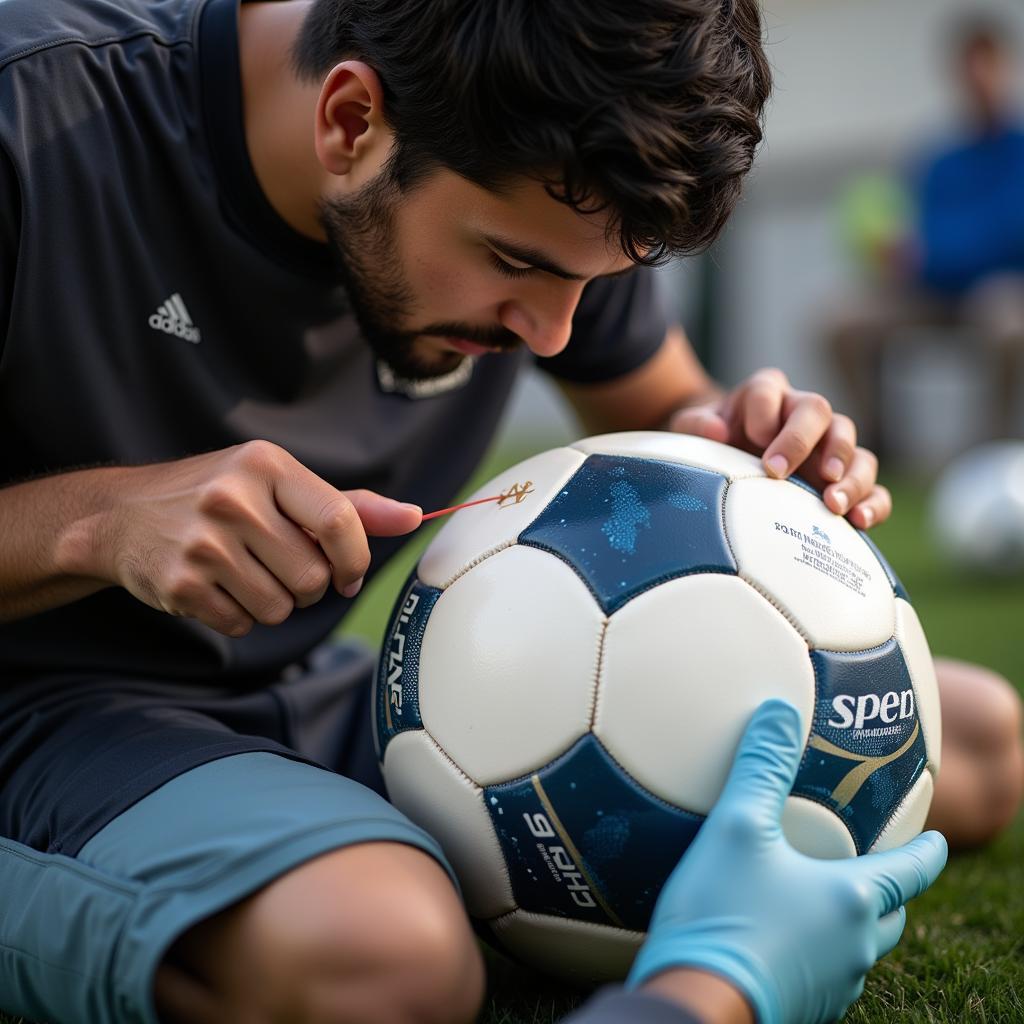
<point x="455" y="508"/>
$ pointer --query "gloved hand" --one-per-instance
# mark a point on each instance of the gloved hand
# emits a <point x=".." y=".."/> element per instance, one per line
<point x="794" y="934"/>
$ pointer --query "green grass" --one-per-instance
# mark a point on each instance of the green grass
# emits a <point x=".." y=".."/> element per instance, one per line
<point x="962" y="956"/>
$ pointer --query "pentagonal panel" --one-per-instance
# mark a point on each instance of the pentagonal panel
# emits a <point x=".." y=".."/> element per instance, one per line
<point x="509" y="664"/>
<point x="669" y="447"/>
<point x="574" y="832"/>
<point x="909" y="818"/>
<point x="921" y="666"/>
<point x="396" y="690"/>
<point x="570" y="949"/>
<point x="684" y="667"/>
<point x="866" y="747"/>
<point x="811" y="563"/>
<point x="473" y="533"/>
<point x="426" y="786"/>
<point x="814" y="830"/>
<point x="626" y="525"/>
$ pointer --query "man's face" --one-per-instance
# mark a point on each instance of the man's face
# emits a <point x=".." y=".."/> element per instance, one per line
<point x="449" y="270"/>
<point x="986" y="74"/>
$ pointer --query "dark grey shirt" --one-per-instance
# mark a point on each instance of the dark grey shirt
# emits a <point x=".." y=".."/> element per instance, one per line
<point x="156" y="306"/>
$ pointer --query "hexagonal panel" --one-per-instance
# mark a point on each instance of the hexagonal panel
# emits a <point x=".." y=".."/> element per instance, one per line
<point x="626" y="525"/>
<point x="811" y="563"/>
<point x="667" y="446"/>
<point x="574" y="833"/>
<point x="473" y="533"/>
<point x="509" y="664"/>
<point x="426" y="786"/>
<point x="684" y="667"/>
<point x="866" y="748"/>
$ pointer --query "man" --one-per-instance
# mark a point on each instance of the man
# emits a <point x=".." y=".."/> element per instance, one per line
<point x="266" y="272"/>
<point x="959" y="259"/>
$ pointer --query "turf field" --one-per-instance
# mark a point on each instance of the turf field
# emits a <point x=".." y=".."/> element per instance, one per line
<point x="962" y="956"/>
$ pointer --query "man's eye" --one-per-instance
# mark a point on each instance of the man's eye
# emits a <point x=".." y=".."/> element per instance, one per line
<point x="506" y="269"/>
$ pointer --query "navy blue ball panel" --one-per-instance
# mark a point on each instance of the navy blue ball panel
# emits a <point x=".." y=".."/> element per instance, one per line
<point x="866" y="747"/>
<point x="804" y="485"/>
<point x="894" y="581"/>
<point x="583" y="840"/>
<point x="625" y="524"/>
<point x="398" y="674"/>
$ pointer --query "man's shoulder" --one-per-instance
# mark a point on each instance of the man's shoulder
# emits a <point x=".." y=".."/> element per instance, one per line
<point x="31" y="27"/>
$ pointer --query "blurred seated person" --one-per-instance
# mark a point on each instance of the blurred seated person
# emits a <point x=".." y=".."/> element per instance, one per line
<point x="947" y="248"/>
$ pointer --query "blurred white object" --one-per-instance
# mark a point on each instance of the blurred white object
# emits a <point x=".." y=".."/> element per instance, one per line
<point x="977" y="509"/>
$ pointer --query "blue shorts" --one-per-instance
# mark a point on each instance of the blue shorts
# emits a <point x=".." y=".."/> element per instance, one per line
<point x="86" y="917"/>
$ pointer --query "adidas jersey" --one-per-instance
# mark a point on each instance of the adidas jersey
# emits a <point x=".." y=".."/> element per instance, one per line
<point x="153" y="305"/>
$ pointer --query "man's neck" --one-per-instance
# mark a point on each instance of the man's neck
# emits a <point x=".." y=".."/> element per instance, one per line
<point x="279" y="110"/>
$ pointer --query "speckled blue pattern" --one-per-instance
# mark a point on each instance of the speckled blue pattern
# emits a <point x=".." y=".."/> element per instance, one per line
<point x="625" y="524"/>
<point x="875" y="717"/>
<point x="610" y="850"/>
<point x="397" y="697"/>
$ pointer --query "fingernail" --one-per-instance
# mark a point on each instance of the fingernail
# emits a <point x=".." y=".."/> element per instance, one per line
<point x="353" y="588"/>
<point x="834" y="468"/>
<point x="841" y="500"/>
<point x="416" y="508"/>
<point x="777" y="465"/>
<point x="869" y="517"/>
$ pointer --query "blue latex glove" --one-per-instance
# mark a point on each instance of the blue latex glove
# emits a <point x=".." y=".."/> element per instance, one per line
<point x="794" y="934"/>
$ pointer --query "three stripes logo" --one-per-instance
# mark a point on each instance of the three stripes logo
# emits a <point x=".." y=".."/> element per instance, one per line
<point x="172" y="318"/>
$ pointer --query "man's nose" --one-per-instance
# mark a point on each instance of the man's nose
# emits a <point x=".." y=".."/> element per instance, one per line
<point x="545" y="326"/>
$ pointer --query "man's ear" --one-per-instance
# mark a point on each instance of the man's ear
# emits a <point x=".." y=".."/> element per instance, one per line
<point x="351" y="136"/>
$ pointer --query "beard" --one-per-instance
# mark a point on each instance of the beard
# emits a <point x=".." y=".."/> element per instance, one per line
<point x="361" y="231"/>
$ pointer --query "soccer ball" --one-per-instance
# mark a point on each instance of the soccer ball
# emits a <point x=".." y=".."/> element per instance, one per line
<point x="977" y="509"/>
<point x="568" y="672"/>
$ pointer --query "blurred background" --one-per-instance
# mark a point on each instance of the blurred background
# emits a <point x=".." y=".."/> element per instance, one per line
<point x="868" y="96"/>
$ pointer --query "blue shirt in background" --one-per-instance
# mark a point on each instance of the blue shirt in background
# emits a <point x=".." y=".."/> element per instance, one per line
<point x="971" y="211"/>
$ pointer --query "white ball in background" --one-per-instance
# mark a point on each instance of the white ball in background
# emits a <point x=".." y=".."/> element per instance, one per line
<point x="977" y="509"/>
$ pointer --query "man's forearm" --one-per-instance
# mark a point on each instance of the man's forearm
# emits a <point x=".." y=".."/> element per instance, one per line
<point x="49" y="535"/>
<point x="676" y="996"/>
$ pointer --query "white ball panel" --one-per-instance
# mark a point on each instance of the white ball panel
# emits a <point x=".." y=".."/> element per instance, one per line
<point x="426" y="786"/>
<point x="829" y="582"/>
<point x="910" y="636"/>
<point x="815" y="830"/>
<point x="509" y="664"/>
<point x="669" y="447"/>
<point x="684" y="667"/>
<point x="473" y="533"/>
<point x="574" y="949"/>
<point x="908" y="821"/>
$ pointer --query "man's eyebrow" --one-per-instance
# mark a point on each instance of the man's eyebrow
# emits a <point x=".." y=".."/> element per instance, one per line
<point x="535" y="258"/>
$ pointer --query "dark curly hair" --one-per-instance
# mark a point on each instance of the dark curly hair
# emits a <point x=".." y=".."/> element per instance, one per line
<point x="650" y="109"/>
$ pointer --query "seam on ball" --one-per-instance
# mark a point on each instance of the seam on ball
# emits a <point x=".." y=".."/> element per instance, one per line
<point x="444" y="753"/>
<point x="725" y="531"/>
<point x="595" y="692"/>
<point x="476" y="561"/>
<point x="784" y="612"/>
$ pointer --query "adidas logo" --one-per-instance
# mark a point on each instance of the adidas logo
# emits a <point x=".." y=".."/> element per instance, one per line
<point x="172" y="318"/>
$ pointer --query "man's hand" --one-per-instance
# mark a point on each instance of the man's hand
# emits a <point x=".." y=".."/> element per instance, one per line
<point x="237" y="536"/>
<point x="795" y="432"/>
<point x="794" y="934"/>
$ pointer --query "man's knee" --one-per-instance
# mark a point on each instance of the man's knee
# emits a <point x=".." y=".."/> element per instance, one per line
<point x="981" y="782"/>
<point x="370" y="933"/>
